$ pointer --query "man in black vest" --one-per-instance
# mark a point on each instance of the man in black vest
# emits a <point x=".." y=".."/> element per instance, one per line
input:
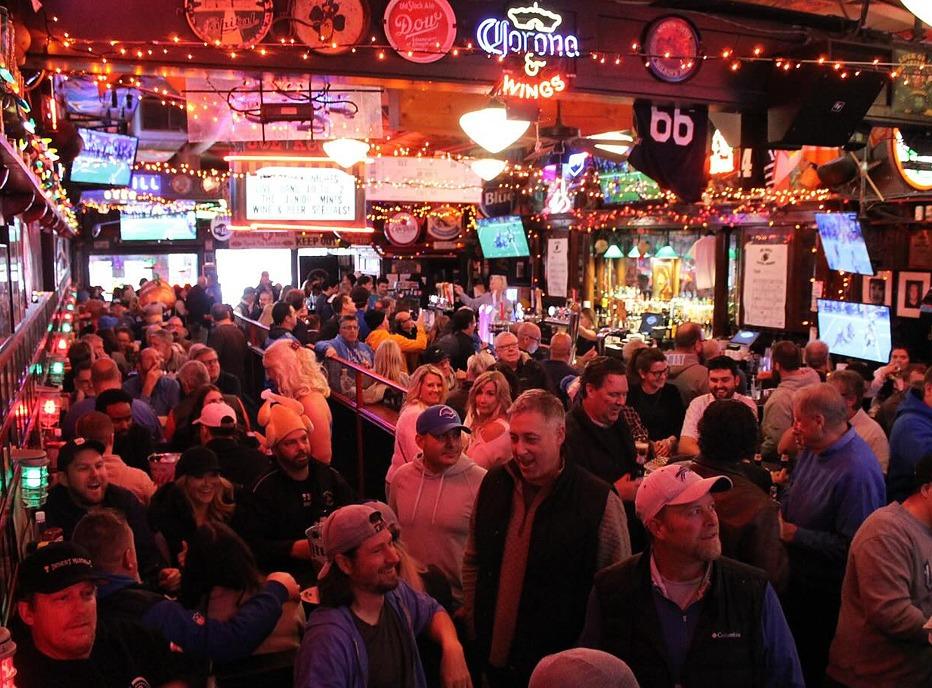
<point x="542" y="528"/>
<point x="680" y="613"/>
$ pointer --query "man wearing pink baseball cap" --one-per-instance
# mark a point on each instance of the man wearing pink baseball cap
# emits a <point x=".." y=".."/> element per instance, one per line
<point x="680" y="613"/>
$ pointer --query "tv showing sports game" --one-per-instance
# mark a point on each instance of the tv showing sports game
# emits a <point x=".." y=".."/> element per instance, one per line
<point x="621" y="183"/>
<point x="843" y="242"/>
<point x="168" y="227"/>
<point x="106" y="159"/>
<point x="858" y="330"/>
<point x="502" y="237"/>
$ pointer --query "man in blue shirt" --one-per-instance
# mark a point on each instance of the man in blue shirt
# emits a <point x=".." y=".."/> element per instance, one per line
<point x="363" y="634"/>
<point x="152" y="385"/>
<point x="346" y="344"/>
<point x="682" y="614"/>
<point x="835" y="485"/>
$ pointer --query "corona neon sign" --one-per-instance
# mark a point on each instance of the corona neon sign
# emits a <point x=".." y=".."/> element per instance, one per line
<point x="531" y="32"/>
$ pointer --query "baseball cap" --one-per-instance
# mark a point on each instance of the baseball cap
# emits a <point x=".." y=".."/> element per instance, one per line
<point x="216" y="415"/>
<point x="434" y="354"/>
<point x="70" y="450"/>
<point x="197" y="462"/>
<point x="55" y="567"/>
<point x="438" y="419"/>
<point x="924" y="470"/>
<point x="671" y="485"/>
<point x="347" y="528"/>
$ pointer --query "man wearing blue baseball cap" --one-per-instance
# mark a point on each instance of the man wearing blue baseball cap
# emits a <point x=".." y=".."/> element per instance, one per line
<point x="434" y="495"/>
<point x="363" y="634"/>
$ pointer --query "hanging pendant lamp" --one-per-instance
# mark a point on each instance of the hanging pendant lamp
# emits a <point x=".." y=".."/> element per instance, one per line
<point x="491" y="128"/>
<point x="346" y="152"/>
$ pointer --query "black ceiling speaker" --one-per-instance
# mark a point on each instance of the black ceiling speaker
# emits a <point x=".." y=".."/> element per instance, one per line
<point x="838" y="171"/>
<point x="814" y="106"/>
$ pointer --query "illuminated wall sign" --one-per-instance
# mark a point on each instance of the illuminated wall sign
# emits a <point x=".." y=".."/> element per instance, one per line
<point x="301" y="194"/>
<point x="531" y="32"/>
<point x="913" y="167"/>
<point x="147" y="183"/>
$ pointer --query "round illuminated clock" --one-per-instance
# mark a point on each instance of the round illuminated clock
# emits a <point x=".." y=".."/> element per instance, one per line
<point x="671" y="45"/>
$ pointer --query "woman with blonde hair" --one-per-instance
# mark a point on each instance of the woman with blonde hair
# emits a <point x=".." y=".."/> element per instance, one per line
<point x="297" y="375"/>
<point x="489" y="398"/>
<point x="389" y="363"/>
<point x="426" y="388"/>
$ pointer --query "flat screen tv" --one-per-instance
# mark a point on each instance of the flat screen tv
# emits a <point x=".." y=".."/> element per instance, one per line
<point x="169" y="227"/>
<point x="502" y="237"/>
<point x="106" y="159"/>
<point x="621" y="183"/>
<point x="745" y="337"/>
<point x="858" y="330"/>
<point x="843" y="242"/>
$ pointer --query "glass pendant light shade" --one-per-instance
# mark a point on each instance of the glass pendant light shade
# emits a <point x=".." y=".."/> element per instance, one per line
<point x="487" y="168"/>
<point x="346" y="152"/>
<point x="491" y="128"/>
<point x="635" y="252"/>
<point x="614" y="252"/>
<point x="666" y="252"/>
<point x="921" y="8"/>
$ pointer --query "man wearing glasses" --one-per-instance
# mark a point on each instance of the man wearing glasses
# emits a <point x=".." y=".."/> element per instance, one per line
<point x="521" y="371"/>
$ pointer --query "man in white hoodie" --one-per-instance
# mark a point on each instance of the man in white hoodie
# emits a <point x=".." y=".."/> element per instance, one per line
<point x="434" y="495"/>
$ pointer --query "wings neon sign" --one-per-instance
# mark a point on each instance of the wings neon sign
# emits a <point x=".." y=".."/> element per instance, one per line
<point x="531" y="32"/>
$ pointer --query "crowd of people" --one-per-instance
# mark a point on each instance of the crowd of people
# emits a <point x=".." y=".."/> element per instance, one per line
<point x="547" y="518"/>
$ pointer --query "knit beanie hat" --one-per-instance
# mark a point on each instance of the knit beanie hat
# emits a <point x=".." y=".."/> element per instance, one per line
<point x="281" y="416"/>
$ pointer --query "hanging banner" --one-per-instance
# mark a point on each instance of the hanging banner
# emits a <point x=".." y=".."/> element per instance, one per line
<point x="430" y="180"/>
<point x="765" y="284"/>
<point x="557" y="266"/>
<point x="671" y="147"/>
<point x="262" y="240"/>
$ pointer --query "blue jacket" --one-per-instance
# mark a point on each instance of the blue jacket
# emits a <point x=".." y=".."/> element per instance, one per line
<point x="910" y="440"/>
<point x="360" y="352"/>
<point x="333" y="653"/>
<point x="221" y="641"/>
<point x="165" y="396"/>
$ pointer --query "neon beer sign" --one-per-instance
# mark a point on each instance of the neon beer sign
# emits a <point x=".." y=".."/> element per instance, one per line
<point x="531" y="32"/>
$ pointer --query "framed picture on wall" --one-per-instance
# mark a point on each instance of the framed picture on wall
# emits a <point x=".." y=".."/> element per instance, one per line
<point x="911" y="287"/>
<point x="878" y="290"/>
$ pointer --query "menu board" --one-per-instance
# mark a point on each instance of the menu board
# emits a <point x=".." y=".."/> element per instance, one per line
<point x="765" y="283"/>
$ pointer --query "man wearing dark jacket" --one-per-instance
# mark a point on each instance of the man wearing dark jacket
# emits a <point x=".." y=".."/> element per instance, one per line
<point x="228" y="340"/>
<point x="680" y="613"/>
<point x="198" y="304"/>
<point x="459" y="343"/>
<point x="521" y="371"/>
<point x="598" y="437"/>
<point x="283" y="322"/>
<point x="84" y="486"/>
<point x="109" y="540"/>
<point x="242" y="465"/>
<point x="542" y="527"/>
<point x="291" y="497"/>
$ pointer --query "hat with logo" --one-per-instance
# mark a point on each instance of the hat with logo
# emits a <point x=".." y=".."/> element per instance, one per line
<point x="347" y="528"/>
<point x="55" y="567"/>
<point x="197" y="462"/>
<point x="72" y="448"/>
<point x="438" y="419"/>
<point x="671" y="485"/>
<point x="434" y="355"/>
<point x="216" y="415"/>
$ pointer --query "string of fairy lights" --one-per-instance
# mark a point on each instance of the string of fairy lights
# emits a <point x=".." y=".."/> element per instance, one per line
<point x="175" y="49"/>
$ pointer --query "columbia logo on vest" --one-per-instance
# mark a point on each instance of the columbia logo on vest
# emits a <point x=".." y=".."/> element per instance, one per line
<point x="721" y="635"/>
